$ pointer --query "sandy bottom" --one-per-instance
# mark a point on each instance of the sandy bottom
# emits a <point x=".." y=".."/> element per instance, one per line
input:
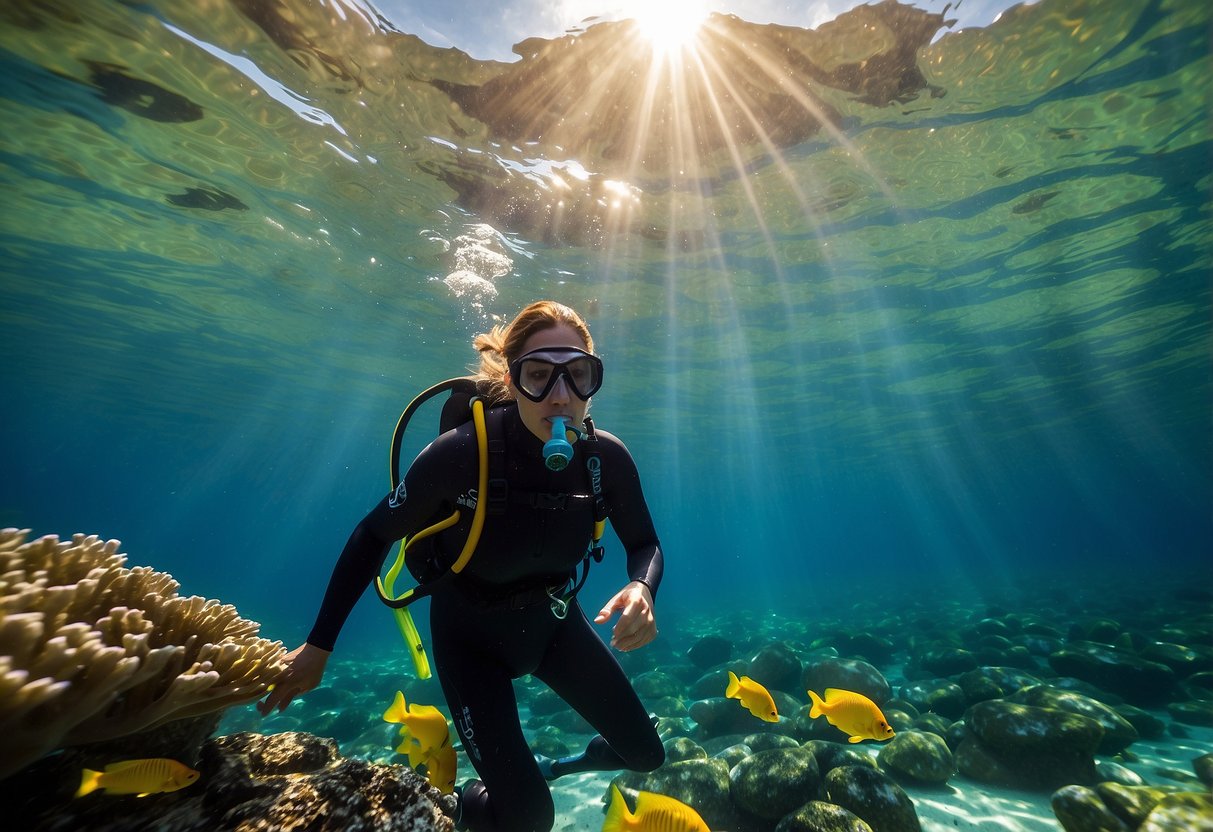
<point x="960" y="805"/>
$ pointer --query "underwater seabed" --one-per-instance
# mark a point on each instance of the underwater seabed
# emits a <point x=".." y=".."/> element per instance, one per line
<point x="1137" y="656"/>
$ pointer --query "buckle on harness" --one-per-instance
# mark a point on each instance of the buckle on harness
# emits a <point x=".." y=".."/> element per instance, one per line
<point x="560" y="602"/>
<point x="498" y="496"/>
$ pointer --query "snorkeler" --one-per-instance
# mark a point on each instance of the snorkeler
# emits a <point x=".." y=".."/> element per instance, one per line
<point x="513" y="609"/>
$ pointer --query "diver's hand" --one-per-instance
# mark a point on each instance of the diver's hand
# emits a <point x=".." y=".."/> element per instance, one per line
<point x="636" y="626"/>
<point x="304" y="670"/>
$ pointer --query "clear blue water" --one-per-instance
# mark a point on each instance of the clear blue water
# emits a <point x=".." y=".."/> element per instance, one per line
<point x="958" y="340"/>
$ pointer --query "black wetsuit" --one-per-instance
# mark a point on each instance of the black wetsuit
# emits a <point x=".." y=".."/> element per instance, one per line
<point x="493" y="622"/>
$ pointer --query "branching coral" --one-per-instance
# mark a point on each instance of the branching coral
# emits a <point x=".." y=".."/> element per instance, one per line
<point x="91" y="650"/>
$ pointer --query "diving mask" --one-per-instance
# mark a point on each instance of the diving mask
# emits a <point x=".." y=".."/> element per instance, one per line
<point x="536" y="373"/>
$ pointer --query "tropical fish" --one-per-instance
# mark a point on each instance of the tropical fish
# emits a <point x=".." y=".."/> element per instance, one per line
<point x="654" y="813"/>
<point x="424" y="724"/>
<point x="753" y="697"/>
<point x="138" y="777"/>
<point x="441" y="768"/>
<point x="853" y="713"/>
<point x="426" y="739"/>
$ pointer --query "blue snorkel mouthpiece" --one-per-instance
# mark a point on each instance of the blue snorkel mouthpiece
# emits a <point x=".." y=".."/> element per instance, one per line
<point x="557" y="451"/>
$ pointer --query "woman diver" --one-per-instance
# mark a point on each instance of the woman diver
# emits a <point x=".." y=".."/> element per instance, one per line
<point x="513" y="609"/>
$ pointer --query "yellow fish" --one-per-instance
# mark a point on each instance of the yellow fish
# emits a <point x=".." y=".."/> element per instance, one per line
<point x="138" y="777"/>
<point x="426" y="741"/>
<point x="852" y="713"/>
<point x="654" y="813"/>
<point x="424" y="724"/>
<point x="753" y="697"/>
<point x="441" y="768"/>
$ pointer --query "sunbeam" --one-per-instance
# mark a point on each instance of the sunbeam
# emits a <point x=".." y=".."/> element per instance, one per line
<point x="668" y="26"/>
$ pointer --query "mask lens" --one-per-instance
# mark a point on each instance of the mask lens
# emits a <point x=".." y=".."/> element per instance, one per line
<point x="583" y="372"/>
<point x="536" y="375"/>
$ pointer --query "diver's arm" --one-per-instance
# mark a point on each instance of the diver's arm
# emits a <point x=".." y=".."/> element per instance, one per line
<point x="358" y="565"/>
<point x="630" y="517"/>
<point x="304" y="666"/>
<point x="429" y="478"/>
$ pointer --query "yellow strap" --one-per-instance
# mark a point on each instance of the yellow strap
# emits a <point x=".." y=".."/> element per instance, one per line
<point x="404" y="619"/>
<point x="482" y="486"/>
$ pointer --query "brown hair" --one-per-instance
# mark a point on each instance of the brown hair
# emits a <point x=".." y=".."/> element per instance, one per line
<point x="502" y="344"/>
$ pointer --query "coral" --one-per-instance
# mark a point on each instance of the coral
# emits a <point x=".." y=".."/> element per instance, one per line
<point x="91" y="650"/>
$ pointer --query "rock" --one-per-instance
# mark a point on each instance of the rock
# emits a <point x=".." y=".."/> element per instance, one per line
<point x="701" y="784"/>
<point x="546" y="703"/>
<point x="932" y="723"/>
<point x="567" y="720"/>
<point x="978" y="687"/>
<point x="765" y="742"/>
<point x="1187" y="811"/>
<point x="550" y="743"/>
<point x="938" y="695"/>
<point x="252" y="782"/>
<point x="1184" y="660"/>
<point x="867" y="646"/>
<point x="1192" y="713"/>
<point x="667" y="707"/>
<point x="948" y="661"/>
<point x="770" y="784"/>
<point x="918" y="756"/>
<point x="681" y="748"/>
<point x="873" y="797"/>
<point x="718" y="716"/>
<point x="977" y="684"/>
<point x="1203" y="766"/>
<point x="1130" y="803"/>
<point x="1118" y="732"/>
<point x="1141" y="682"/>
<point x="1145" y="723"/>
<point x="776" y="667"/>
<point x="1025" y="746"/>
<point x="1079" y="809"/>
<point x="832" y="755"/>
<point x="710" y="651"/>
<point x="734" y="754"/>
<point x="815" y="816"/>
<point x="713" y="683"/>
<point x="846" y="674"/>
<point x="655" y="685"/>
<point x="1110" y="772"/>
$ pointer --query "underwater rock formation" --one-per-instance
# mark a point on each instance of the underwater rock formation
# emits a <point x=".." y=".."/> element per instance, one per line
<point x="1112" y="807"/>
<point x="920" y="756"/>
<point x="91" y="650"/>
<point x="248" y="782"/>
<point x="1022" y="745"/>
<point x="873" y="797"/>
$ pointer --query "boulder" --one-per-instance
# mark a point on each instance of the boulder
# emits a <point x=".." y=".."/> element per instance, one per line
<point x="816" y="816"/>
<point x="770" y="784"/>
<point x="918" y="756"/>
<point x="872" y="796"/>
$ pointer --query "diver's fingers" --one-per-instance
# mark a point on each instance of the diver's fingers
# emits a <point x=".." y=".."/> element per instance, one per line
<point x="604" y="614"/>
<point x="636" y="626"/>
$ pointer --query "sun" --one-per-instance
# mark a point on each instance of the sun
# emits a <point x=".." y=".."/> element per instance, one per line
<point x="668" y="25"/>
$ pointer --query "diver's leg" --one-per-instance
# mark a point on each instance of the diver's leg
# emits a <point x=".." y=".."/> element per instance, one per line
<point x="579" y="667"/>
<point x="511" y="795"/>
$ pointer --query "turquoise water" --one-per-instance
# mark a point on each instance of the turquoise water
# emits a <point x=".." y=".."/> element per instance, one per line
<point x="883" y="306"/>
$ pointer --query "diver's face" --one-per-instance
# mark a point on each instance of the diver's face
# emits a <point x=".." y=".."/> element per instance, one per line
<point x="560" y="400"/>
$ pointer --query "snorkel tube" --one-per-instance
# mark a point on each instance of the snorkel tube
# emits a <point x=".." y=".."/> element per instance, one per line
<point x="557" y="451"/>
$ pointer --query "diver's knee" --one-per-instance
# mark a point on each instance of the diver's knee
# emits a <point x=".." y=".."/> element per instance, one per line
<point x="649" y="758"/>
